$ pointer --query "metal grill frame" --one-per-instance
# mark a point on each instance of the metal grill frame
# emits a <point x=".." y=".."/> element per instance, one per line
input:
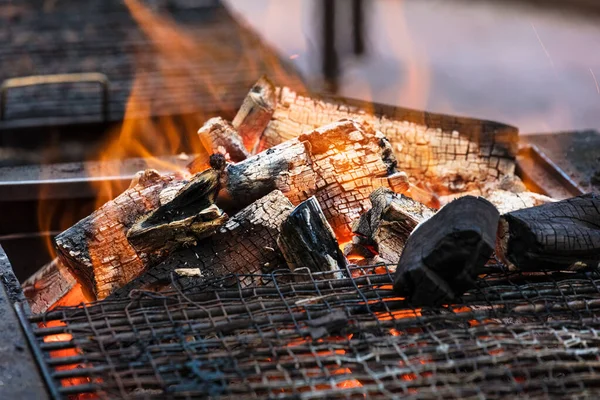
<point x="532" y="335"/>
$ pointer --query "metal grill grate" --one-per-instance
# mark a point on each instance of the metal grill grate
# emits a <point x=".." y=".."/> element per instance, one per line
<point x="529" y="335"/>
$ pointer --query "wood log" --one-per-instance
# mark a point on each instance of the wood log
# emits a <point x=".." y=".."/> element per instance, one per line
<point x="447" y="154"/>
<point x="308" y="242"/>
<point x="255" y="113"/>
<point x="340" y="164"/>
<point x="386" y="227"/>
<point x="49" y="285"/>
<point x="443" y="254"/>
<point x="96" y="249"/>
<point x="218" y="135"/>
<point x="246" y="244"/>
<point x="189" y="216"/>
<point x="563" y="235"/>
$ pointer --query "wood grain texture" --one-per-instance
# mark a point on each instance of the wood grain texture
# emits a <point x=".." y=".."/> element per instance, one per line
<point x="96" y="249"/>
<point x="559" y="235"/>
<point x="308" y="242"/>
<point x="246" y="244"/>
<point x="340" y="164"/>
<point x="385" y="228"/>
<point x="443" y="153"/>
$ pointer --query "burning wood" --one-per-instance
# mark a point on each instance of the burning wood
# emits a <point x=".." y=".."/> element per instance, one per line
<point x="96" y="249"/>
<point x="385" y="228"/>
<point x="442" y="255"/>
<point x="340" y="164"/>
<point x="189" y="216"/>
<point x="308" y="242"/>
<point x="48" y="286"/>
<point x="218" y="135"/>
<point x="561" y="235"/>
<point x="464" y="157"/>
<point x="246" y="244"/>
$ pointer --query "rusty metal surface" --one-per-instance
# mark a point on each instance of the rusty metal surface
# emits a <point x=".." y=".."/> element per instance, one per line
<point x="577" y="154"/>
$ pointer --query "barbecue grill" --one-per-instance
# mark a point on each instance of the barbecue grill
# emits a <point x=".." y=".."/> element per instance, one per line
<point x="289" y="333"/>
<point x="515" y="334"/>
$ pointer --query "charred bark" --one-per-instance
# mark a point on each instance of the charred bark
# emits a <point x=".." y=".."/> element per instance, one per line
<point x="191" y="215"/>
<point x="340" y="164"/>
<point x="386" y="227"/>
<point x="217" y="135"/>
<point x="246" y="244"/>
<point x="564" y="235"/>
<point x="442" y="256"/>
<point x="96" y="249"/>
<point x="48" y="286"/>
<point x="307" y="241"/>
<point x="447" y="154"/>
<point x="255" y="113"/>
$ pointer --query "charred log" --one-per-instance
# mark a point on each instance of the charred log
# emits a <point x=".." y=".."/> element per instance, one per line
<point x="48" y="286"/>
<point x="447" y="154"/>
<point x="386" y="227"/>
<point x="191" y="215"/>
<point x="217" y="135"/>
<point x="246" y="244"/>
<point x="442" y="256"/>
<point x="556" y="236"/>
<point x="96" y="249"/>
<point x="255" y="113"/>
<point x="308" y="242"/>
<point x="340" y="164"/>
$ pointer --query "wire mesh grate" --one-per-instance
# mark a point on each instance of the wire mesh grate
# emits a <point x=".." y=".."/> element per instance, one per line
<point x="530" y="335"/>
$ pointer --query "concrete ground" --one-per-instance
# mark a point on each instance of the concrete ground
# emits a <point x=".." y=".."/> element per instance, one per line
<point x="536" y="69"/>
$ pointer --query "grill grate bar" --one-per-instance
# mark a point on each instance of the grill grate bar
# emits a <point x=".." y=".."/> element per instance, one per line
<point x="516" y="334"/>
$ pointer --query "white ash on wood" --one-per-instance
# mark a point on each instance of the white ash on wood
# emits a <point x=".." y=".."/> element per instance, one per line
<point x="443" y="153"/>
<point x="385" y="228"/>
<point x="245" y="244"/>
<point x="340" y="164"/>
<point x="96" y="249"/>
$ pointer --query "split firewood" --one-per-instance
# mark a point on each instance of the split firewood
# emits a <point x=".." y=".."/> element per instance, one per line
<point x="48" y="286"/>
<point x="340" y="164"/>
<point x="246" y="244"/>
<point x="563" y="235"/>
<point x="96" y="249"/>
<point x="443" y="254"/>
<point x="255" y="113"/>
<point x="462" y="156"/>
<point x="218" y="135"/>
<point x="386" y="227"/>
<point x="308" y="242"/>
<point x="189" y="216"/>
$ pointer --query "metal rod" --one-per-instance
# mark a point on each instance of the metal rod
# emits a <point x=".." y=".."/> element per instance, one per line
<point x="37" y="352"/>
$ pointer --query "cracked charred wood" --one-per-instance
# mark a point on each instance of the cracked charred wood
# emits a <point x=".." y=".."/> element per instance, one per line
<point x="218" y="135"/>
<point x="443" y="254"/>
<point x="564" y="235"/>
<point x="307" y="241"/>
<point x="246" y="244"/>
<point x="386" y="227"/>
<point x="189" y="216"/>
<point x="255" y="113"/>
<point x="462" y="156"/>
<point x="96" y="249"/>
<point x="340" y="164"/>
<point x="48" y="286"/>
